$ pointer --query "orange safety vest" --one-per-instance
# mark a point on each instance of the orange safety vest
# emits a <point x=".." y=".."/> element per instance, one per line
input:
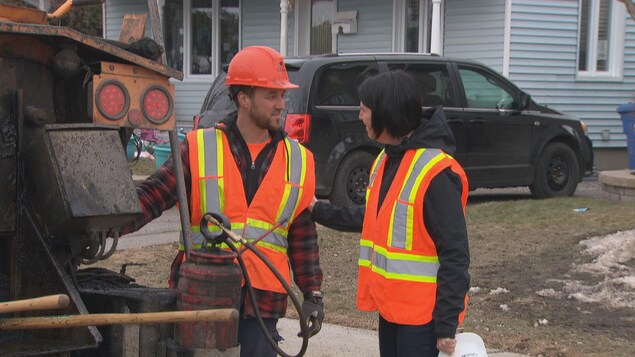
<point x="398" y="260"/>
<point x="217" y="186"/>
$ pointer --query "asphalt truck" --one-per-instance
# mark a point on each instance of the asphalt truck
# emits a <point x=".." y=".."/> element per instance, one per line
<point x="68" y="104"/>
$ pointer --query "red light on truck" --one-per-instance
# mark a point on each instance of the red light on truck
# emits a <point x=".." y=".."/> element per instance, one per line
<point x="298" y="126"/>
<point x="112" y="100"/>
<point x="156" y="104"/>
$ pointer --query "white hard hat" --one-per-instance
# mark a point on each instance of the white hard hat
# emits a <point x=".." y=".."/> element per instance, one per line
<point x="467" y="345"/>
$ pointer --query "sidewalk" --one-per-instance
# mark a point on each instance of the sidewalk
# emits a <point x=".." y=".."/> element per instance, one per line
<point x="335" y="340"/>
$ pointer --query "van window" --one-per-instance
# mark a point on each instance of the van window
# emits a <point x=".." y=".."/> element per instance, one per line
<point x="433" y="82"/>
<point x="337" y="85"/>
<point x="484" y="91"/>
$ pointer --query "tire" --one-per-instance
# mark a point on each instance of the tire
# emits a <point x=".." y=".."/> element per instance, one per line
<point x="351" y="179"/>
<point x="557" y="172"/>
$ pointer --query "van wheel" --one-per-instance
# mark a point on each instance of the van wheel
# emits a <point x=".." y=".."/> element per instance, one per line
<point x="557" y="172"/>
<point x="351" y="179"/>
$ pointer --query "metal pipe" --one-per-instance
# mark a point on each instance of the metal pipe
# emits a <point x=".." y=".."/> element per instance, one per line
<point x="181" y="193"/>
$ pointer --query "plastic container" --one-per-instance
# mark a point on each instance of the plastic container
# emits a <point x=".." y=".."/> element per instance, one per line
<point x="627" y="112"/>
<point x="131" y="149"/>
<point x="161" y="152"/>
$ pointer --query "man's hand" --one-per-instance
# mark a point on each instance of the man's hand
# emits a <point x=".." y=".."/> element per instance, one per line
<point x="314" y="312"/>
<point x="446" y="345"/>
<point x="310" y="208"/>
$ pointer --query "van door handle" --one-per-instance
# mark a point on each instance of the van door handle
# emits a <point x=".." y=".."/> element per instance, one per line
<point x="477" y="121"/>
<point x="455" y="120"/>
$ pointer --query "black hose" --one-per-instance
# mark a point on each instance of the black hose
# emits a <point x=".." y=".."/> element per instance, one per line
<point x="304" y="328"/>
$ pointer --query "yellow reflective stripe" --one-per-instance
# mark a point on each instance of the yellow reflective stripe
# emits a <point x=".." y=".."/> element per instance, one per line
<point x="212" y="184"/>
<point x="407" y="256"/>
<point x="403" y="265"/>
<point x="401" y="233"/>
<point x="284" y="200"/>
<point x="405" y="277"/>
<point x="276" y="238"/>
<point x="200" y="144"/>
<point x="422" y="173"/>
<point x="365" y="253"/>
<point x="264" y="226"/>
<point x="259" y="244"/>
<point x="366" y="243"/>
<point x="295" y="156"/>
<point x="406" y="220"/>
<point x="221" y="172"/>
<point x="373" y="173"/>
<point x="303" y="156"/>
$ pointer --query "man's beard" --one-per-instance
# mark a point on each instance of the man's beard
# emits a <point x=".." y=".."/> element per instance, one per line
<point x="264" y="120"/>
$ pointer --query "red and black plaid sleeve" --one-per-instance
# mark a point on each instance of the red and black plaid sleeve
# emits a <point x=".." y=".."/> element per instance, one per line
<point x="158" y="192"/>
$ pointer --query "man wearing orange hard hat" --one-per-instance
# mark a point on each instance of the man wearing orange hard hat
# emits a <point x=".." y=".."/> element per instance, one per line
<point x="265" y="186"/>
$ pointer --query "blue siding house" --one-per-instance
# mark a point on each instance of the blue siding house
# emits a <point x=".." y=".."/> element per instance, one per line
<point x="576" y="56"/>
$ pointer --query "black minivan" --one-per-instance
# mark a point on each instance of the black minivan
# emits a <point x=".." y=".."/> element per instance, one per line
<point x="504" y="138"/>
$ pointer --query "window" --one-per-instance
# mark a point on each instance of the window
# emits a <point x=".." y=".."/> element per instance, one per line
<point x="321" y="20"/>
<point x="483" y="91"/>
<point x="414" y="26"/>
<point x="600" y="39"/>
<point x="337" y="84"/>
<point x="204" y="34"/>
<point x="433" y="82"/>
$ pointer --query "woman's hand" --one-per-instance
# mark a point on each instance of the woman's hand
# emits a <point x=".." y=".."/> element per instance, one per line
<point x="446" y="345"/>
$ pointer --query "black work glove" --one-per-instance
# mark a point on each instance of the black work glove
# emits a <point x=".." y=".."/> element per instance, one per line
<point x="313" y="310"/>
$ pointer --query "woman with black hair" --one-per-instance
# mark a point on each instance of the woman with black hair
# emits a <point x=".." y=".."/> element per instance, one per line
<point x="414" y="254"/>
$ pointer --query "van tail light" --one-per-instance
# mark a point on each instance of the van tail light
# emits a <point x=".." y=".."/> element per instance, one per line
<point x="298" y="126"/>
<point x="112" y="100"/>
<point x="584" y="128"/>
<point x="156" y="104"/>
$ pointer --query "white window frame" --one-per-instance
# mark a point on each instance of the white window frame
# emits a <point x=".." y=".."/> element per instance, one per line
<point x="399" y="29"/>
<point x="616" y="43"/>
<point x="187" y="44"/>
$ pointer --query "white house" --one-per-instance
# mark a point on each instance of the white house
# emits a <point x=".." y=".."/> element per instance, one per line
<point x="577" y="56"/>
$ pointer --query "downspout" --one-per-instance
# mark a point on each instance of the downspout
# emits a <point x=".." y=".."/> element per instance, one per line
<point x="435" y="35"/>
<point x="284" y="10"/>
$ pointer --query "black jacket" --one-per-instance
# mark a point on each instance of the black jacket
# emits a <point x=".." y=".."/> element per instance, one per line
<point x="443" y="217"/>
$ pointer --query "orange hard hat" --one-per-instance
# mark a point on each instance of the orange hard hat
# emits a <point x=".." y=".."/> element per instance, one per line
<point x="258" y="66"/>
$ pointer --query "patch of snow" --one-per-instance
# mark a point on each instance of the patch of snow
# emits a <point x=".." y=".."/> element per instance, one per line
<point x="498" y="290"/>
<point x="549" y="293"/>
<point x="612" y="260"/>
<point x="504" y="307"/>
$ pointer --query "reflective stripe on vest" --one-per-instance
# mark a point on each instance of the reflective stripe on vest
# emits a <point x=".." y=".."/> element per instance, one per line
<point x="373" y="171"/>
<point x="213" y="192"/>
<point x="403" y="266"/>
<point x="401" y="234"/>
